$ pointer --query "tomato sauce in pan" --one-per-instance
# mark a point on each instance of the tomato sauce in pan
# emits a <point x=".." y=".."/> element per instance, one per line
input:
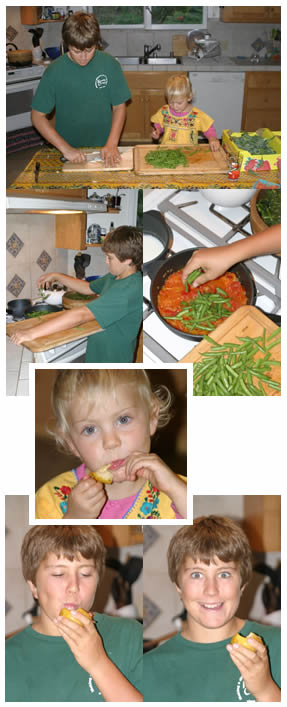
<point x="172" y="297"/>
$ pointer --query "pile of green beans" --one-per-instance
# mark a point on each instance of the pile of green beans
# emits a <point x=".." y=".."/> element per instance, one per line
<point x="205" y="309"/>
<point x="231" y="369"/>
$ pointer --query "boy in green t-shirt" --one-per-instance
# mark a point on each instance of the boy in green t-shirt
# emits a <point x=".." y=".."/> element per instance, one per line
<point x="210" y="563"/>
<point x="90" y="657"/>
<point x="118" y="309"/>
<point x="87" y="90"/>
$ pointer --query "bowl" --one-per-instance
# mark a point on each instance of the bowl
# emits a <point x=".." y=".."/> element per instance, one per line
<point x="53" y="52"/>
<point x="227" y="197"/>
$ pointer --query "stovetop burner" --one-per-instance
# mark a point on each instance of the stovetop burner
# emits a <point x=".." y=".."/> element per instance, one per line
<point x="190" y="221"/>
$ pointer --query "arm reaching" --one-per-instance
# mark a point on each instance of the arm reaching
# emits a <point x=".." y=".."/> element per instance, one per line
<point x="216" y="261"/>
<point x="73" y="283"/>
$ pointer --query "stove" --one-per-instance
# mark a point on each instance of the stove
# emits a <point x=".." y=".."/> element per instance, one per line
<point x="195" y="222"/>
<point x="15" y="74"/>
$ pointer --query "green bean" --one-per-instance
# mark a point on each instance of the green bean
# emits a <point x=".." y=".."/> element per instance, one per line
<point x="191" y="277"/>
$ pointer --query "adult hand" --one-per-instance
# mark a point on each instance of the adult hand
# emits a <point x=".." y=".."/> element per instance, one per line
<point x="73" y="154"/>
<point x="214" y="144"/>
<point x="213" y="262"/>
<point x="86" y="499"/>
<point x="19" y="336"/>
<point x="110" y="155"/>
<point x="255" y="670"/>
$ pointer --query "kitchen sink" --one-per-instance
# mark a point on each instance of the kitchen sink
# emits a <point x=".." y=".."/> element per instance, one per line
<point x="161" y="60"/>
<point x="129" y="59"/>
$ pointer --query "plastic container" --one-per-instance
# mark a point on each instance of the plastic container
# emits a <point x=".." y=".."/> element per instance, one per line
<point x="53" y="52"/>
<point x="254" y="163"/>
<point x="92" y="277"/>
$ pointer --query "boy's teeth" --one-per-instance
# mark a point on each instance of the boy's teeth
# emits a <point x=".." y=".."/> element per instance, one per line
<point x="212" y="606"/>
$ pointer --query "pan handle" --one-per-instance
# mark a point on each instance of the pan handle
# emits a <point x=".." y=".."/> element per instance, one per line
<point x="149" y="309"/>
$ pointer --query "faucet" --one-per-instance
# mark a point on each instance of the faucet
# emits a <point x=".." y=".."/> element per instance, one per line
<point x="149" y="51"/>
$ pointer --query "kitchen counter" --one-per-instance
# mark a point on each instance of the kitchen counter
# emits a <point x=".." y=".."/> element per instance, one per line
<point x="217" y="63"/>
<point x="52" y="179"/>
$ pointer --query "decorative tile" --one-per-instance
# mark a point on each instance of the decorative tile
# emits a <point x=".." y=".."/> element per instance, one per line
<point x="16" y="285"/>
<point x="150" y="611"/>
<point x="11" y="33"/>
<point x="44" y="260"/>
<point x="14" y="245"/>
<point x="150" y="536"/>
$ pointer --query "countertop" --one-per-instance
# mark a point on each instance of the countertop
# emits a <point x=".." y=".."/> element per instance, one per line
<point x="218" y="63"/>
<point x="52" y="179"/>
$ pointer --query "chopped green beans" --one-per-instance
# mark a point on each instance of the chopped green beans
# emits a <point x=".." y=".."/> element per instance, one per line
<point x="191" y="277"/>
<point x="231" y="369"/>
<point x="166" y="158"/>
<point x="202" y="312"/>
<point x="254" y="144"/>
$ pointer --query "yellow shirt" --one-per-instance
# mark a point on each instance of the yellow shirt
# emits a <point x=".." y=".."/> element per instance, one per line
<point x="51" y="500"/>
<point x="181" y="129"/>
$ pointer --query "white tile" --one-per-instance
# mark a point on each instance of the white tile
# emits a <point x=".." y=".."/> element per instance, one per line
<point x="13" y="356"/>
<point x="23" y="388"/>
<point x="27" y="355"/>
<point x="11" y="382"/>
<point x="24" y="371"/>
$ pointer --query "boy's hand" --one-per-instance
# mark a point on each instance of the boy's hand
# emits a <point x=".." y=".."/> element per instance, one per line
<point x="214" y="144"/>
<point x="74" y="155"/>
<point x="213" y="261"/>
<point x="86" y="499"/>
<point x="84" y="641"/>
<point x="48" y="279"/>
<point x="110" y="155"/>
<point x="255" y="670"/>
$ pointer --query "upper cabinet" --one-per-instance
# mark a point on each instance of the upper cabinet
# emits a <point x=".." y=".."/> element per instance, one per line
<point x="32" y="15"/>
<point x="251" y="14"/>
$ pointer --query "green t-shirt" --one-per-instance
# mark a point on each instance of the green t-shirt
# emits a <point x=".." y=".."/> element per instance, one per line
<point x="83" y="97"/>
<point x="119" y="312"/>
<point x="42" y="668"/>
<point x="183" y="671"/>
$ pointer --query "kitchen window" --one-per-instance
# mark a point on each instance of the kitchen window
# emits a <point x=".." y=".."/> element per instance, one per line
<point x="151" y="17"/>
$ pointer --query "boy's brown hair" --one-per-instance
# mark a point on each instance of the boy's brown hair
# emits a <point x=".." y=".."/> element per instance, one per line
<point x="207" y="538"/>
<point x="82" y="31"/>
<point x="67" y="540"/>
<point x="126" y="242"/>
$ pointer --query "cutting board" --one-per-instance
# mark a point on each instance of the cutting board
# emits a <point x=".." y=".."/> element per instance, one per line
<point x="203" y="161"/>
<point x="246" y="321"/>
<point x="126" y="162"/>
<point x="50" y="341"/>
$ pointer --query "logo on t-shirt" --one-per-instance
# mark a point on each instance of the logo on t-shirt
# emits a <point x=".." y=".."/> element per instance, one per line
<point x="243" y="695"/>
<point x="101" y="81"/>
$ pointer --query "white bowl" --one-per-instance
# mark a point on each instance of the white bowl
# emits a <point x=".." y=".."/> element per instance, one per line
<point x="228" y="197"/>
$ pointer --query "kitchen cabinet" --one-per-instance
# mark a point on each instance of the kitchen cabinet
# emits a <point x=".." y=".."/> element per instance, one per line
<point x="33" y="16"/>
<point x="148" y="95"/>
<point x="71" y="231"/>
<point x="262" y="100"/>
<point x="262" y="522"/>
<point x="251" y="14"/>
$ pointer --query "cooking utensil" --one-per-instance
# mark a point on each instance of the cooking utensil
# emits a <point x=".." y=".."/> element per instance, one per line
<point x="154" y="224"/>
<point x="227" y="197"/>
<point x="19" y="57"/>
<point x="177" y="262"/>
<point x="17" y="307"/>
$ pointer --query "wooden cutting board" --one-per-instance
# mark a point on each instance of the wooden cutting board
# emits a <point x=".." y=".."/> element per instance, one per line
<point x="50" y="341"/>
<point x="126" y="163"/>
<point x="203" y="161"/>
<point x="246" y="321"/>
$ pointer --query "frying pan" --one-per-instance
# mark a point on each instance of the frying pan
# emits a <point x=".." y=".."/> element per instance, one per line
<point x="177" y="262"/>
<point x="17" y="307"/>
<point x="48" y="308"/>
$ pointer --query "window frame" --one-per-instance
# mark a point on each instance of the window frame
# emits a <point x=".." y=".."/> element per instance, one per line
<point x="148" y="25"/>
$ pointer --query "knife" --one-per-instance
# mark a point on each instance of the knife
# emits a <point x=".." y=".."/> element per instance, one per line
<point x="37" y="170"/>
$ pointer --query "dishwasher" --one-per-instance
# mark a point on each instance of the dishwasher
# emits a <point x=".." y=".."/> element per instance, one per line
<point x="220" y="95"/>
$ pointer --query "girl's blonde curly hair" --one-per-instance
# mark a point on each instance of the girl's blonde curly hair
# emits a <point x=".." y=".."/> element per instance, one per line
<point x="85" y="384"/>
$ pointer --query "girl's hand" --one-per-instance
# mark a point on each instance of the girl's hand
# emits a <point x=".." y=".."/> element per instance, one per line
<point x="151" y="468"/>
<point x="18" y="337"/>
<point x="74" y="155"/>
<point x="255" y="670"/>
<point x="213" y="261"/>
<point x="156" y="132"/>
<point x="214" y="144"/>
<point x="84" y="641"/>
<point x="86" y="499"/>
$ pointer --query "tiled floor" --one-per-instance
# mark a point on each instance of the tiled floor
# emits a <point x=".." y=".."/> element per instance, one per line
<point x="17" y="371"/>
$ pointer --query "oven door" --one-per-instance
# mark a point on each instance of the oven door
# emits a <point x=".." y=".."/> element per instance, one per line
<point x="19" y="98"/>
